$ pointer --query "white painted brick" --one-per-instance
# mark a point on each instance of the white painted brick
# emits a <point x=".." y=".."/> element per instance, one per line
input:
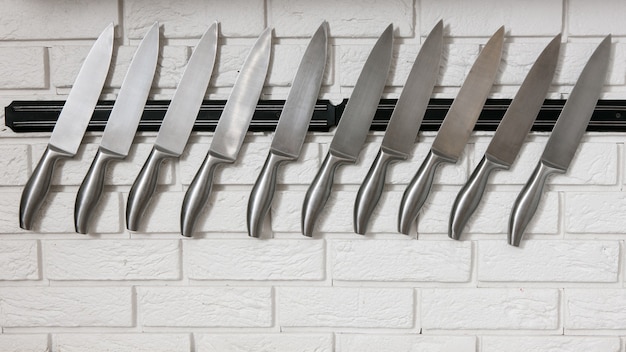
<point x="66" y="306"/>
<point x="401" y="260"/>
<point x="254" y="260"/>
<point x="57" y="214"/>
<point x="238" y="18"/>
<point x="9" y="212"/>
<point x="19" y="260"/>
<point x="22" y="67"/>
<point x="490" y="309"/>
<point x="549" y="343"/>
<point x="112" y="260"/>
<point x="456" y="62"/>
<point x="569" y="261"/>
<point x="345" y="19"/>
<point x="205" y="306"/>
<point x="595" y="309"/>
<point x="14" y="165"/>
<point x="517" y="59"/>
<point x="463" y="19"/>
<point x="586" y="18"/>
<point x="79" y="20"/>
<point x="345" y="307"/>
<point x="285" y="211"/>
<point x="595" y="212"/>
<point x="24" y="343"/>
<point x="264" y="342"/>
<point x="574" y="57"/>
<point x="105" y="342"/>
<point x="170" y="66"/>
<point x="303" y="170"/>
<point x="407" y="343"/>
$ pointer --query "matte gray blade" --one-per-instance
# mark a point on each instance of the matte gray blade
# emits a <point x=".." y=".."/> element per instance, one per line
<point x="411" y="106"/>
<point x="574" y="117"/>
<point x="234" y="121"/>
<point x="122" y="124"/>
<point x="459" y="122"/>
<point x="74" y="118"/>
<point x="522" y="112"/>
<point x="361" y="107"/>
<point x="183" y="110"/>
<point x="296" y="115"/>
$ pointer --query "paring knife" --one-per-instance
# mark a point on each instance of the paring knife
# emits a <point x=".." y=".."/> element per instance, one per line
<point x="455" y="129"/>
<point x="352" y="128"/>
<point x="291" y="129"/>
<point x="176" y="126"/>
<point x="120" y="128"/>
<point x="403" y="125"/>
<point x="231" y="129"/>
<point x="71" y="125"/>
<point x="509" y="137"/>
<point x="564" y="139"/>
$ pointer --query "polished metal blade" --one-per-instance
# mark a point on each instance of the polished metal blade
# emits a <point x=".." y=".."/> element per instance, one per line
<point x="574" y="117"/>
<point x="459" y="122"/>
<point x="183" y="110"/>
<point x="238" y="111"/>
<point x="361" y="107"/>
<point x="411" y="106"/>
<point x="74" y="118"/>
<point x="298" y="110"/>
<point x="122" y="124"/>
<point x="522" y="112"/>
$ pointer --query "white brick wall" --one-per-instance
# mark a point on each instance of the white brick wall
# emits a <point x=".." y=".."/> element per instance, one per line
<point x="563" y="290"/>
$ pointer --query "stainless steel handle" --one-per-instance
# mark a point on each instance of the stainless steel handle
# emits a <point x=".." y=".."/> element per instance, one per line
<point x="91" y="189"/>
<point x="527" y="202"/>
<point x="417" y="191"/>
<point x="470" y="195"/>
<point x="143" y="188"/>
<point x="198" y="193"/>
<point x="37" y="187"/>
<point x="371" y="189"/>
<point x="263" y="193"/>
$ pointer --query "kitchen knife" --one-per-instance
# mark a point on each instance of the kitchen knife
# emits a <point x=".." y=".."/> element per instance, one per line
<point x="230" y="130"/>
<point x="291" y="129"/>
<point x="352" y="128"/>
<point x="176" y="126"/>
<point x="564" y="139"/>
<point x="71" y="125"/>
<point x="509" y="136"/>
<point x="121" y="126"/>
<point x="403" y="125"/>
<point x="455" y="129"/>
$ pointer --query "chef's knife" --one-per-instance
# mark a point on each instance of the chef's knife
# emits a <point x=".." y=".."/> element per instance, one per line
<point x="455" y="129"/>
<point x="291" y="129"/>
<point x="121" y="126"/>
<point x="231" y="129"/>
<point x="71" y="125"/>
<point x="564" y="139"/>
<point x="176" y="126"/>
<point x="509" y="136"/>
<point x="403" y="125"/>
<point x="352" y="128"/>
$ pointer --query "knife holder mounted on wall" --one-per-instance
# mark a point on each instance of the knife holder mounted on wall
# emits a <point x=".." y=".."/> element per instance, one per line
<point x="40" y="116"/>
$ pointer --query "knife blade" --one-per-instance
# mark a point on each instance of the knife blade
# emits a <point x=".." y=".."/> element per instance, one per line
<point x="121" y="126"/>
<point x="291" y="129"/>
<point x="509" y="137"/>
<point x="176" y="126"/>
<point x="70" y="126"/>
<point x="352" y="128"/>
<point x="564" y="139"/>
<point x="403" y="125"/>
<point x="231" y="129"/>
<point x="455" y="129"/>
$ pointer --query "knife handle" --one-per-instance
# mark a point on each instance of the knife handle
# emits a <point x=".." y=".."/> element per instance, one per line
<point x="37" y="187"/>
<point x="91" y="189"/>
<point x="319" y="191"/>
<point x="527" y="201"/>
<point x="198" y="193"/>
<point x="371" y="189"/>
<point x="470" y="195"/>
<point x="417" y="191"/>
<point x="143" y="188"/>
<point x="263" y="193"/>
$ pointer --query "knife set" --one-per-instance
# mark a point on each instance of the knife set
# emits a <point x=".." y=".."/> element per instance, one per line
<point x="293" y="124"/>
